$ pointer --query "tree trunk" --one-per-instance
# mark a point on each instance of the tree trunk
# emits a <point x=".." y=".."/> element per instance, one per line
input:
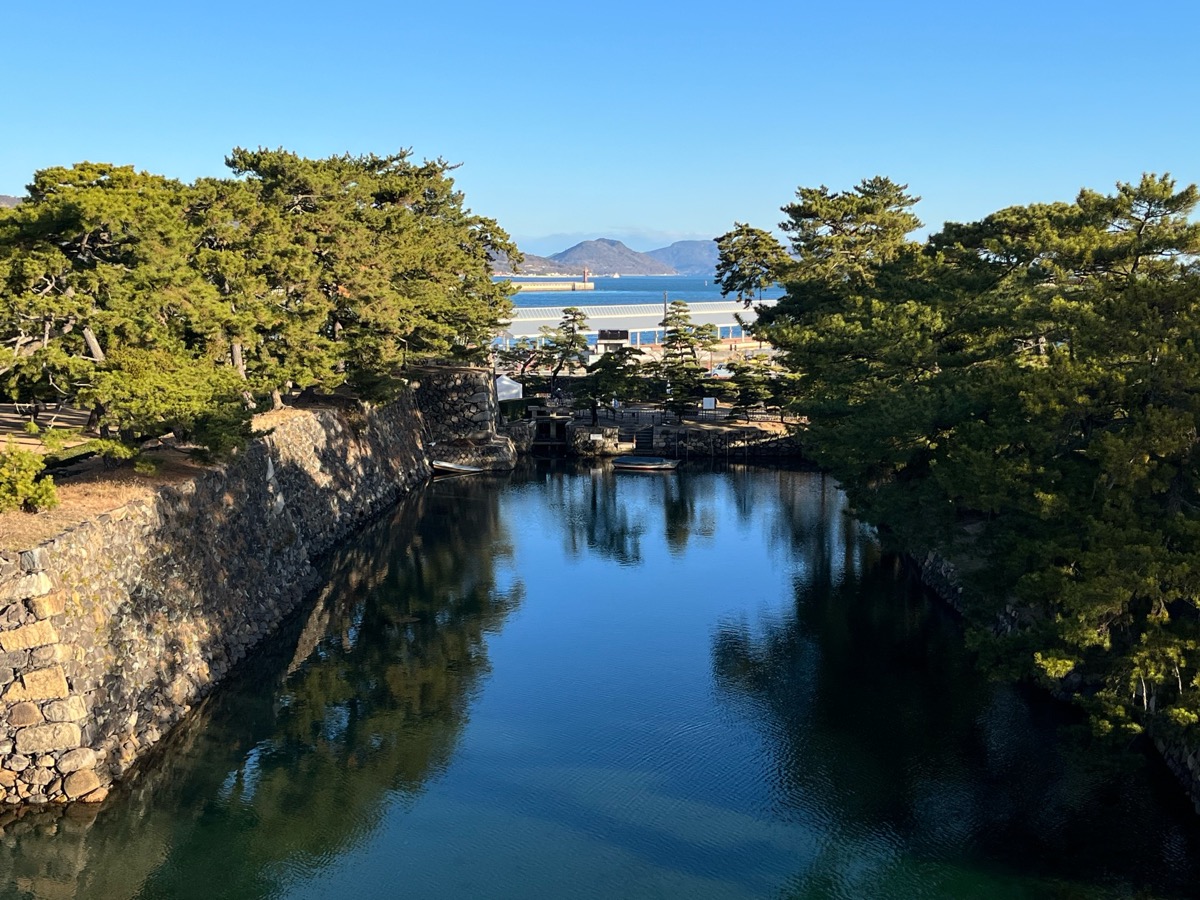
<point x="239" y="364"/>
<point x="93" y="345"/>
<point x="276" y="399"/>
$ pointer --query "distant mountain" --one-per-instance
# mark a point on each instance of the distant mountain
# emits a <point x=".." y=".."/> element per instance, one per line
<point x="533" y="265"/>
<point x="7" y="200"/>
<point x="688" y="257"/>
<point x="608" y="257"/>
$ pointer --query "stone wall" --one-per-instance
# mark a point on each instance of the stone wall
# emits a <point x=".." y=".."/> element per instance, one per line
<point x="112" y="630"/>
<point x="461" y="415"/>
<point x="458" y="403"/>
<point x="591" y="441"/>
<point x="943" y="578"/>
<point x="520" y="433"/>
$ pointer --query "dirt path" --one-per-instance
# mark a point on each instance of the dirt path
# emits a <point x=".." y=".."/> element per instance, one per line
<point x="13" y="420"/>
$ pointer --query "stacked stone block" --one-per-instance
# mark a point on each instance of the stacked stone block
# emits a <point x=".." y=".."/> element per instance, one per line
<point x="461" y="415"/>
<point x="111" y="631"/>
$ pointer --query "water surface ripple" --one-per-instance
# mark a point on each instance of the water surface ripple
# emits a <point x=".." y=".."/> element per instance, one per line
<point x="582" y="684"/>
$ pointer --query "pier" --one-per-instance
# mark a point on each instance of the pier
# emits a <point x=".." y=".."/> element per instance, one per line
<point x="536" y="286"/>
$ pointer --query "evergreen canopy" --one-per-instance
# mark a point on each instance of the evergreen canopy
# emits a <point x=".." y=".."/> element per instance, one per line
<point x="1021" y="393"/>
<point x="166" y="305"/>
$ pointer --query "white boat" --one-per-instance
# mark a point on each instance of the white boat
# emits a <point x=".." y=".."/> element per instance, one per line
<point x="441" y="467"/>
<point x="643" y="463"/>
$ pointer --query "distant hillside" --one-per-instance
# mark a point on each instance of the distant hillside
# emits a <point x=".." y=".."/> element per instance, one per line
<point x="688" y="257"/>
<point x="608" y="257"/>
<point x="533" y="265"/>
<point x="7" y="200"/>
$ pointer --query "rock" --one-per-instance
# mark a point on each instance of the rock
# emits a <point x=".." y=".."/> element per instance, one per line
<point x="40" y="738"/>
<point x="7" y="675"/>
<point x="43" y="655"/>
<point x="40" y="684"/>
<point x="96" y="796"/>
<point x="17" y="660"/>
<point x="73" y="761"/>
<point x="80" y="783"/>
<point x="23" y="714"/>
<point x="7" y="778"/>
<point x="33" y="585"/>
<point x="38" y="777"/>
<point x="35" y="634"/>
<point x="70" y="710"/>
<point x="17" y="763"/>
<point x="33" y="560"/>
<point x="47" y="606"/>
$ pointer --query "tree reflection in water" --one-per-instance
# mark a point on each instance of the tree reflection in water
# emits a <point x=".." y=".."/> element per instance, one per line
<point x="371" y="693"/>
<point x="848" y="745"/>
<point x="610" y="512"/>
<point x="870" y="709"/>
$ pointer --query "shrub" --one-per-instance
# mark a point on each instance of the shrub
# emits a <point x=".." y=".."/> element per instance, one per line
<point x="20" y="484"/>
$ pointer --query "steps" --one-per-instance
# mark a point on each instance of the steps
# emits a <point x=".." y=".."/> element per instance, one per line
<point x="643" y="441"/>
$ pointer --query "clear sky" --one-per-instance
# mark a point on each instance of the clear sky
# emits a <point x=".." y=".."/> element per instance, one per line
<point x="647" y="121"/>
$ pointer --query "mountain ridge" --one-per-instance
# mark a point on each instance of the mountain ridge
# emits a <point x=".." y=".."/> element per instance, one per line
<point x="605" y="256"/>
<point x="608" y="256"/>
<point x="688" y="257"/>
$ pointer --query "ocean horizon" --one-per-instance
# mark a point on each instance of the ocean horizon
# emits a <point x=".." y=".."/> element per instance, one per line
<point x="631" y="289"/>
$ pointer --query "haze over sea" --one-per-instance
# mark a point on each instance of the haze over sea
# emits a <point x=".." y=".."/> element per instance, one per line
<point x="630" y="289"/>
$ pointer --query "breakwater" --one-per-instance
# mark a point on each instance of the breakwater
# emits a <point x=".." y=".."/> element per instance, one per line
<point x="111" y="631"/>
<point x="533" y="287"/>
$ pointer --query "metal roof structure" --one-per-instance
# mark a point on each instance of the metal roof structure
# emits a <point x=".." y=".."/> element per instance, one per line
<point x="527" y="321"/>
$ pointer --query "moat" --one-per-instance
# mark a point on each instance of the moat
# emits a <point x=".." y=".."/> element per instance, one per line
<point x="574" y="683"/>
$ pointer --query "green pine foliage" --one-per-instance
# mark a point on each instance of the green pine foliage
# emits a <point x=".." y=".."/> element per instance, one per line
<point x="748" y="260"/>
<point x="680" y="364"/>
<point x="21" y="483"/>
<point x="164" y="306"/>
<point x="1021" y="393"/>
<point x="565" y="348"/>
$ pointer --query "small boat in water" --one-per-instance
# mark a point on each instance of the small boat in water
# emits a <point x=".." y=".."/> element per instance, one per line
<point x="441" y="467"/>
<point x="643" y="463"/>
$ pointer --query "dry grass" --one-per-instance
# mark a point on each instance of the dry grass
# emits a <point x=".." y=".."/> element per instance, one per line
<point x="90" y="491"/>
<point x="267" y="420"/>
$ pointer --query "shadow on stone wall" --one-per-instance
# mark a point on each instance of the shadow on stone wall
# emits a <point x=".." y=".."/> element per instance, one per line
<point x="357" y="701"/>
<point x="142" y="611"/>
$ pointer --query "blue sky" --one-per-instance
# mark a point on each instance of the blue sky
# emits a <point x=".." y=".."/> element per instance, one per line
<point x="650" y="121"/>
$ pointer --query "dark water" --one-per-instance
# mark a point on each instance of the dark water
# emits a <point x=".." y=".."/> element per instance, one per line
<point x="588" y="685"/>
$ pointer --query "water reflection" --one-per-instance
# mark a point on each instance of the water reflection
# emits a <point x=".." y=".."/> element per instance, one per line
<point x="610" y="515"/>
<point x="290" y="766"/>
<point x="577" y="683"/>
<point x="925" y="779"/>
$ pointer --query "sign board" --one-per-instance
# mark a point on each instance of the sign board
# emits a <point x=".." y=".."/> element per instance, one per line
<point x="595" y="438"/>
<point x="609" y="334"/>
<point x="708" y="403"/>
